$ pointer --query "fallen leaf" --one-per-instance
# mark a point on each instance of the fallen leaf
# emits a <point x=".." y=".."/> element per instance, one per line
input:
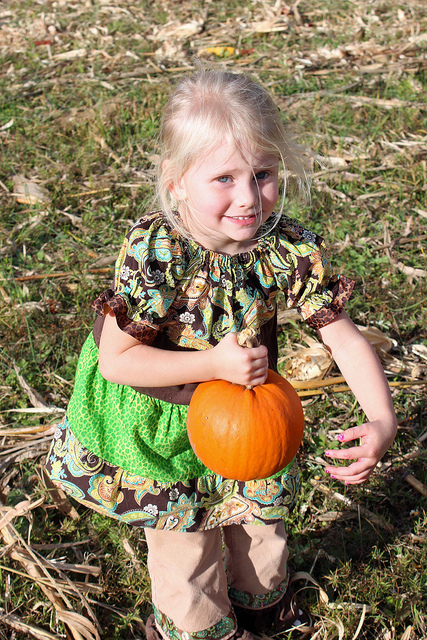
<point x="220" y="52"/>
<point x="10" y="513"/>
<point x="79" y="623"/>
<point x="269" y="26"/>
<point x="34" y="396"/>
<point x="7" y="125"/>
<point x="334" y="161"/>
<point x="411" y="272"/>
<point x="420" y="350"/>
<point x="27" y="192"/>
<point x="179" y="31"/>
<point x="71" y="55"/>
<point x="171" y="51"/>
<point x="381" y="343"/>
<point x="19" y="625"/>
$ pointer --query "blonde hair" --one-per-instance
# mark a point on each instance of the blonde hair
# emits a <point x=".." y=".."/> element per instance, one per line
<point x="212" y="107"/>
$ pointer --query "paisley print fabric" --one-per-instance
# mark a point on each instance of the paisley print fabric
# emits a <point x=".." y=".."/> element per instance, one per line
<point x="167" y="283"/>
<point x="195" y="505"/>
<point x="258" y="601"/>
<point x="220" y="631"/>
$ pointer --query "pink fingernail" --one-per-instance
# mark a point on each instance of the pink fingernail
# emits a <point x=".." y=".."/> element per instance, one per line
<point x="327" y="453"/>
<point x="333" y="477"/>
<point x="340" y="437"/>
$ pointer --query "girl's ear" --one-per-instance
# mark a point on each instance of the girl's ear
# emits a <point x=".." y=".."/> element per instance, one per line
<point x="176" y="187"/>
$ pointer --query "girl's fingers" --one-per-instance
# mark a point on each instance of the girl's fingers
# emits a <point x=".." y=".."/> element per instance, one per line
<point x="352" y="453"/>
<point x="355" y="480"/>
<point x="352" y="433"/>
<point x="373" y="438"/>
<point x="356" y="472"/>
<point x="259" y="376"/>
<point x="352" y="479"/>
<point x="344" y="454"/>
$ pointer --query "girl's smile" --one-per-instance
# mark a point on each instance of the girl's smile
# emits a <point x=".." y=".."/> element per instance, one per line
<point x="225" y="197"/>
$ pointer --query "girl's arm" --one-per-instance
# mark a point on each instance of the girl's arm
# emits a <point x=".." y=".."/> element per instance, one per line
<point x="364" y="374"/>
<point x="124" y="360"/>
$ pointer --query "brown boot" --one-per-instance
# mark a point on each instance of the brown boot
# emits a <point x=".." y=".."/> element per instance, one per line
<point x="151" y="631"/>
<point x="285" y="616"/>
<point x="242" y="634"/>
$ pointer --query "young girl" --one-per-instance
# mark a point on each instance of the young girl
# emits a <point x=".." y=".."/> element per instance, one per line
<point x="188" y="277"/>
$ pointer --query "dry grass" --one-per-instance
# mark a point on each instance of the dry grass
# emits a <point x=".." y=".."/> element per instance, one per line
<point x="82" y="87"/>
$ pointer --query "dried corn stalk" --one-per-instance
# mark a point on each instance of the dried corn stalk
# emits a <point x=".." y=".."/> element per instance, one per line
<point x="380" y="342"/>
<point x="78" y="626"/>
<point x="312" y="362"/>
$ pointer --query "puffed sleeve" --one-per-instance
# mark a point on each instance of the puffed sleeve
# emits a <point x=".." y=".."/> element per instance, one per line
<point x="303" y="272"/>
<point x="148" y="269"/>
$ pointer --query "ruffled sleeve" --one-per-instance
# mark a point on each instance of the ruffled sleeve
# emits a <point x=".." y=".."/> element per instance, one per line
<point x="148" y="269"/>
<point x="303" y="273"/>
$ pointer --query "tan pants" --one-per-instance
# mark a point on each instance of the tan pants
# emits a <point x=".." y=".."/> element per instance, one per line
<point x="190" y="574"/>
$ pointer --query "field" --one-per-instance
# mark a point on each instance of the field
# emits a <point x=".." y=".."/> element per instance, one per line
<point x="82" y="85"/>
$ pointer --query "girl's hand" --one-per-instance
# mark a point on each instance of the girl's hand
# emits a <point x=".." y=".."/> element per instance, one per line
<point x="375" y="438"/>
<point x="239" y="364"/>
<point x="365" y="376"/>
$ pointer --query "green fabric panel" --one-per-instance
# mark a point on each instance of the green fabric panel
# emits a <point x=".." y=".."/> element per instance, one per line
<point x="143" y="435"/>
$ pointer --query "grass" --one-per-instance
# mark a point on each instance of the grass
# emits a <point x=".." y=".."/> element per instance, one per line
<point x="349" y="78"/>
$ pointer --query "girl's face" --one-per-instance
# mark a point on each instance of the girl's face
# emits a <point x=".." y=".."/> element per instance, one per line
<point x="225" y="197"/>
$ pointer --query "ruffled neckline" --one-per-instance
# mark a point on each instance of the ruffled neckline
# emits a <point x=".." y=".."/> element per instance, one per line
<point x="267" y="242"/>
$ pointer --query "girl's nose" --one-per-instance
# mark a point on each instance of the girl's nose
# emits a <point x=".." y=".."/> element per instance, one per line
<point x="247" y="193"/>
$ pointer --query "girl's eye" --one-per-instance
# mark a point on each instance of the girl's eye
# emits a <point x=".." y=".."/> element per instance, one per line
<point x="223" y="179"/>
<point x="261" y="175"/>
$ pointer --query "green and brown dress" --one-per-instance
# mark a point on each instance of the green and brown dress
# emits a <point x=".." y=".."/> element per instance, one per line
<point x="124" y="451"/>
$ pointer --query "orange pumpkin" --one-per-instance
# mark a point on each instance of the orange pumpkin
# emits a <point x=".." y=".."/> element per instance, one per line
<point x="245" y="433"/>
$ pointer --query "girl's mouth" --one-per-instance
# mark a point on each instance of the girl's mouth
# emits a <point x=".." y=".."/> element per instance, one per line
<point x="242" y="218"/>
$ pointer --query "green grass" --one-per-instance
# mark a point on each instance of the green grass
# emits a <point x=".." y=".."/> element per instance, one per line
<point x="85" y="130"/>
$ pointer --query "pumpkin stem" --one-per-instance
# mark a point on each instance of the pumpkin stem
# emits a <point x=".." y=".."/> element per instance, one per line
<point x="248" y="338"/>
